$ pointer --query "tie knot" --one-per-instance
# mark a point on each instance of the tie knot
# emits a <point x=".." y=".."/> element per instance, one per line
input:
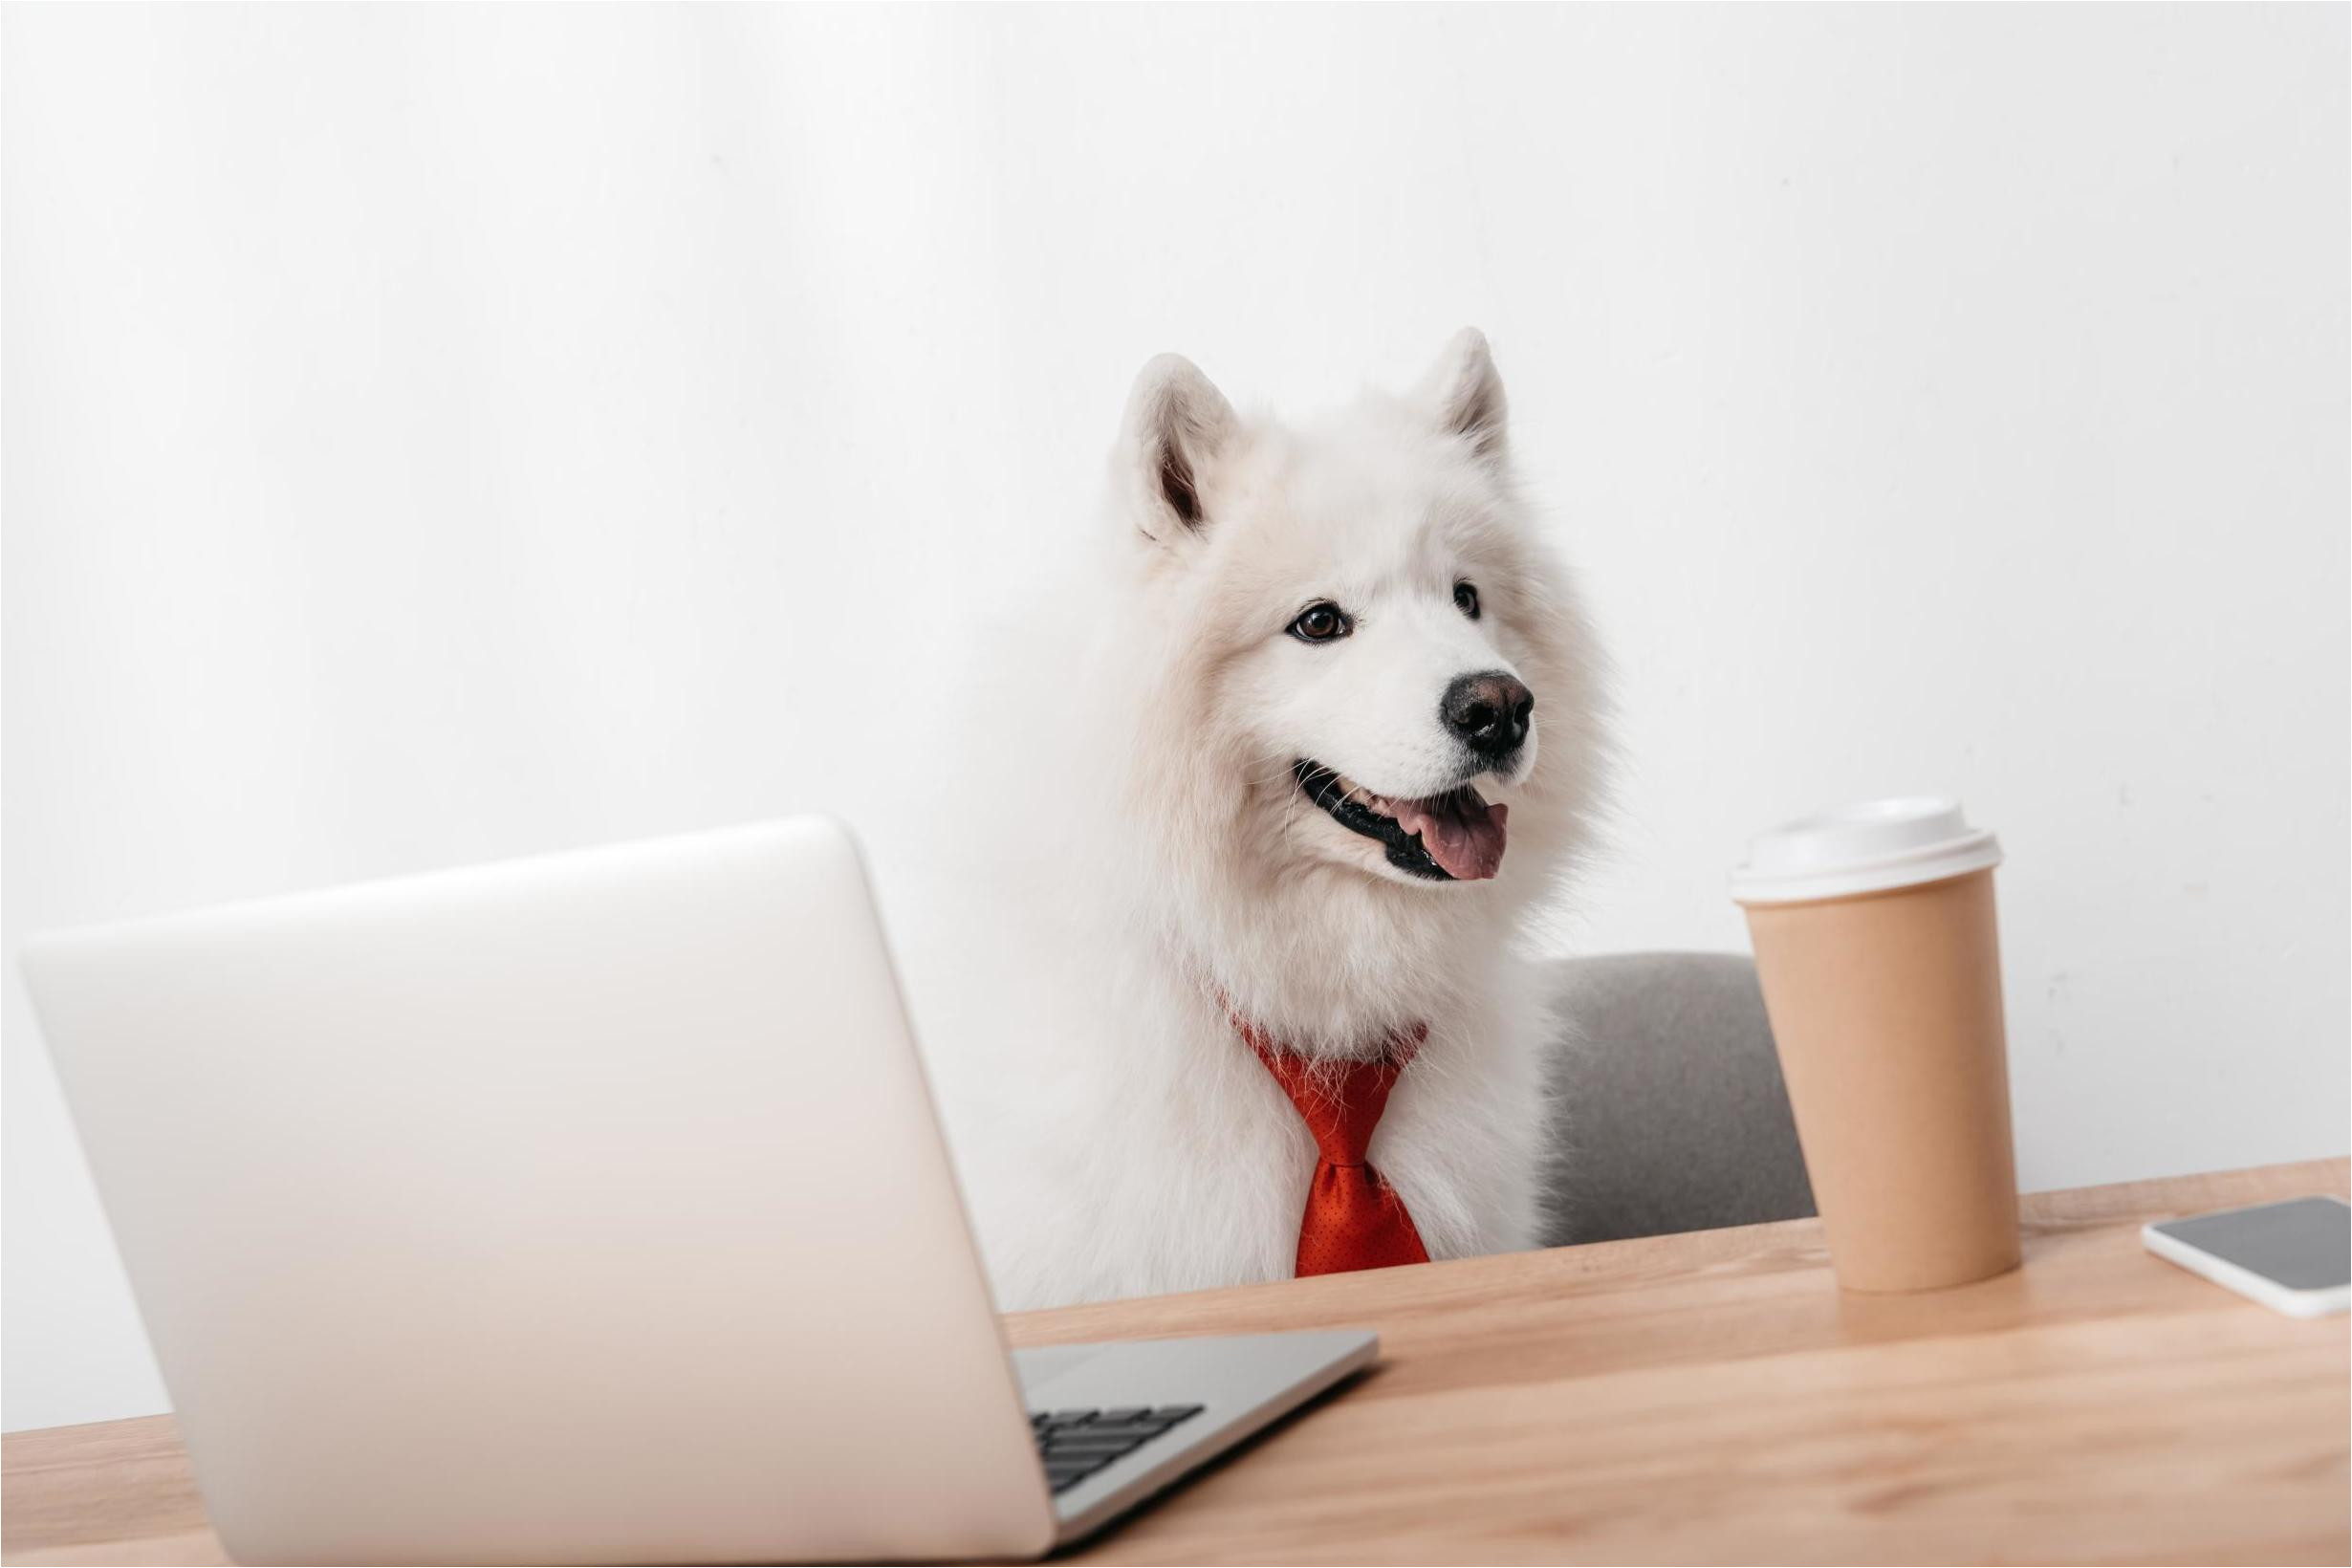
<point x="1340" y="1100"/>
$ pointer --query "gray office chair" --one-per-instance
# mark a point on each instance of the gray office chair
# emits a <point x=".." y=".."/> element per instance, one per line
<point x="1672" y="1115"/>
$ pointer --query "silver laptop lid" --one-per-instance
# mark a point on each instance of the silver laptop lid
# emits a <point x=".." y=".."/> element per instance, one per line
<point x="585" y="1208"/>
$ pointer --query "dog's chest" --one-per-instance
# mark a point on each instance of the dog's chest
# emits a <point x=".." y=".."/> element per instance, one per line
<point x="1217" y="1169"/>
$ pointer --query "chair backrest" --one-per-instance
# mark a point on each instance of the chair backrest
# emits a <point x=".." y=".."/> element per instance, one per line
<point x="1671" y="1112"/>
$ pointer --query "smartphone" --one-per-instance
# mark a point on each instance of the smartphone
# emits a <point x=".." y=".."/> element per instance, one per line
<point x="2293" y="1257"/>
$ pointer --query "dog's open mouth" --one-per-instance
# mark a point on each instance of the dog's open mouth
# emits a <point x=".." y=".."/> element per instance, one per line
<point x="1454" y="836"/>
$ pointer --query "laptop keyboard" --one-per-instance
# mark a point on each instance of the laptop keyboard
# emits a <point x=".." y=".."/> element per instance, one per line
<point x="1075" y="1444"/>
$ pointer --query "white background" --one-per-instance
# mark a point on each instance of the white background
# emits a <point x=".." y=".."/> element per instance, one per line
<point x="440" y="434"/>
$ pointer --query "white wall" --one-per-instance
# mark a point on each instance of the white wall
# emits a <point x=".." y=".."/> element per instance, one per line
<point x="438" y="434"/>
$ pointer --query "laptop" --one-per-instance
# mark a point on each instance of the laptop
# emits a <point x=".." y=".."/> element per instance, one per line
<point x="591" y="1209"/>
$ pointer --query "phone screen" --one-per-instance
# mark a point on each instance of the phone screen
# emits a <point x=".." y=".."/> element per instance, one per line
<point x="2304" y="1244"/>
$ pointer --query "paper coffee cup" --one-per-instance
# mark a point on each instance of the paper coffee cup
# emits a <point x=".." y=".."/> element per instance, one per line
<point x="1878" y="949"/>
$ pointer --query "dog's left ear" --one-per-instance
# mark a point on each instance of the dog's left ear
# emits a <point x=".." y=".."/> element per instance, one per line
<point x="1177" y="424"/>
<point x="1467" y="391"/>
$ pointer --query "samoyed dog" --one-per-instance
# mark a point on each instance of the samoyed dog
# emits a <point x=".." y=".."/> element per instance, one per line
<point x="1294" y="759"/>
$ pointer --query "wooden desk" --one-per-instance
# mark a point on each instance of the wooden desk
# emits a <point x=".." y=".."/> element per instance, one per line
<point x="1699" y="1398"/>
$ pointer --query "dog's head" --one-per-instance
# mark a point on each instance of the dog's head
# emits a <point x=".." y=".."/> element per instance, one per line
<point x="1365" y="661"/>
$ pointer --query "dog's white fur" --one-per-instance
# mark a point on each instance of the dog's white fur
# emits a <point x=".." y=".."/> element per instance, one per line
<point x="1115" y="1135"/>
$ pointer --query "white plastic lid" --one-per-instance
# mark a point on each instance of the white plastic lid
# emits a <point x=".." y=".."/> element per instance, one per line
<point x="1865" y="848"/>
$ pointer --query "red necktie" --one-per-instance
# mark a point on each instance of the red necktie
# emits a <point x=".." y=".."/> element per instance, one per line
<point x="1353" y="1219"/>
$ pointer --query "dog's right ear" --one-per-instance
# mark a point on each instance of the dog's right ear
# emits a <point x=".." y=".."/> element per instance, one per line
<point x="1467" y="391"/>
<point x="1176" y="426"/>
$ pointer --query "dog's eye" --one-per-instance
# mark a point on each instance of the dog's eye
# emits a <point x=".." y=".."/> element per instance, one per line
<point x="1466" y="598"/>
<point x="1321" y="623"/>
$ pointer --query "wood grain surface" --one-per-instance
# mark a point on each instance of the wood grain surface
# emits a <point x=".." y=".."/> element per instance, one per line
<point x="1709" y="1396"/>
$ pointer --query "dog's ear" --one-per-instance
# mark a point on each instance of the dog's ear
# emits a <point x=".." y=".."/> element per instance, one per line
<point x="1467" y="391"/>
<point x="1176" y="424"/>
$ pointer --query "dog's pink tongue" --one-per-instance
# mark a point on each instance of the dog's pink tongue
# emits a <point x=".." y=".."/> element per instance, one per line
<point x="1466" y="839"/>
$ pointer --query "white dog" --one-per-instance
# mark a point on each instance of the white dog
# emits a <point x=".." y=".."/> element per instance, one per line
<point x="1325" y="733"/>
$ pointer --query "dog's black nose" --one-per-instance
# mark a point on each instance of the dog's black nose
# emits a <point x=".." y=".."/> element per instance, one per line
<point x="1490" y="712"/>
